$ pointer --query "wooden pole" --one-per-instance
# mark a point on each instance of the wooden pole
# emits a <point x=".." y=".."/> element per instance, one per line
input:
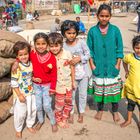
<point x="33" y="6"/>
<point x="88" y="16"/>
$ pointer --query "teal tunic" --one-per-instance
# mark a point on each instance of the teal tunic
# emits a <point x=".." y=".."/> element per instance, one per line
<point x="105" y="50"/>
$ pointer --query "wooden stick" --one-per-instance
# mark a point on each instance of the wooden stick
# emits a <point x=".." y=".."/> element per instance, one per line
<point x="88" y="16"/>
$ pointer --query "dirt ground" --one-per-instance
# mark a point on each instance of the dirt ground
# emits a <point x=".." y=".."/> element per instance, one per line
<point x="105" y="129"/>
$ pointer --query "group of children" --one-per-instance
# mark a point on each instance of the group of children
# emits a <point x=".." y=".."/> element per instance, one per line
<point x="60" y="67"/>
<point x="50" y="70"/>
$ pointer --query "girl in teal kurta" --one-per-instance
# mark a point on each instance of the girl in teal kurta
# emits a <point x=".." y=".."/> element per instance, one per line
<point x="106" y="48"/>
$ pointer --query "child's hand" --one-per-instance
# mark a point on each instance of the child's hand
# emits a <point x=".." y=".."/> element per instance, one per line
<point x="37" y="80"/>
<point x="68" y="101"/>
<point x="117" y="67"/>
<point x="33" y="49"/>
<point x="21" y="98"/>
<point x="52" y="92"/>
<point x="75" y="60"/>
<point x="73" y="85"/>
<point x="93" y="67"/>
<point x="66" y="63"/>
<point x="15" y="66"/>
<point x="126" y="75"/>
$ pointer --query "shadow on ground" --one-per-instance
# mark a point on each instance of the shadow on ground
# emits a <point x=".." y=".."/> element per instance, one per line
<point x="107" y="107"/>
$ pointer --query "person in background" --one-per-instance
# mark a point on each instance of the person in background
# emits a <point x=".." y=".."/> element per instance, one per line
<point x="81" y="25"/>
<point x="36" y="15"/>
<point x="56" y="25"/>
<point x="29" y="16"/>
<point x="15" y="19"/>
<point x="138" y="12"/>
<point x="11" y="11"/>
<point x="1" y="23"/>
<point x="18" y="5"/>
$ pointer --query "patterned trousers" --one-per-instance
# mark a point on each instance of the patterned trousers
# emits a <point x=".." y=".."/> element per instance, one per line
<point x="63" y="106"/>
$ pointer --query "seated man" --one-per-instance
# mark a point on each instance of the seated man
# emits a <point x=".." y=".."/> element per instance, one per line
<point x="29" y="16"/>
<point x="81" y="25"/>
<point x="36" y="15"/>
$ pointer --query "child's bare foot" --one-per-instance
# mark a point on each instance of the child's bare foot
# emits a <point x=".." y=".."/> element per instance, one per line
<point x="71" y="119"/>
<point x="54" y="128"/>
<point x="126" y="123"/>
<point x="98" y="115"/>
<point x="80" y="118"/>
<point x="60" y="124"/>
<point x="38" y="126"/>
<point x="19" y="135"/>
<point x="32" y="130"/>
<point x="116" y="117"/>
<point x="65" y="124"/>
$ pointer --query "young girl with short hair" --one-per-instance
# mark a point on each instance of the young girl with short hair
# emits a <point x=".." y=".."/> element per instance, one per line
<point x="65" y="79"/>
<point x="24" y="97"/>
<point x="81" y="55"/>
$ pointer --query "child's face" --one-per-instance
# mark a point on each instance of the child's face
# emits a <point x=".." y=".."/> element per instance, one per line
<point x="23" y="56"/>
<point x="41" y="45"/>
<point x="55" y="48"/>
<point x="104" y="17"/>
<point x="70" y="35"/>
<point x="137" y="50"/>
<point x="78" y="19"/>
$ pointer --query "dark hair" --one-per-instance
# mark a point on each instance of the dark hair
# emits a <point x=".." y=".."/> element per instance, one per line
<point x="20" y="46"/>
<point x="57" y="20"/>
<point x="77" y="17"/>
<point x="136" y="41"/>
<point x="104" y="7"/>
<point x="41" y="35"/>
<point x="55" y="38"/>
<point x="67" y="25"/>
